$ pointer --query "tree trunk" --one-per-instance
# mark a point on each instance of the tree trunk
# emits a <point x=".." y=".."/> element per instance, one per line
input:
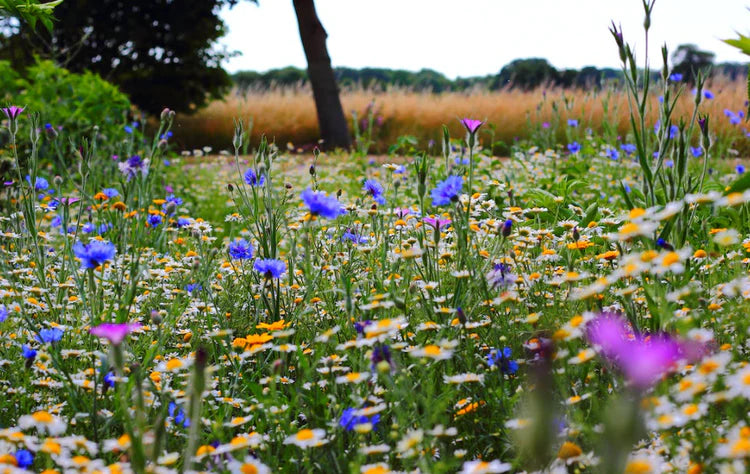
<point x="331" y="120"/>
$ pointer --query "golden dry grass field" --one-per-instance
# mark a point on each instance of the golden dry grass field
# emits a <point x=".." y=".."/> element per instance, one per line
<point x="287" y="115"/>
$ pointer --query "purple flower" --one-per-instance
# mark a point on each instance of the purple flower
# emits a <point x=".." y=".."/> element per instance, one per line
<point x="12" y="112"/>
<point x="503" y="360"/>
<point x="628" y="148"/>
<point x="241" y="249"/>
<point x="251" y="178"/>
<point x="447" y="190"/>
<point x="696" y="151"/>
<point x="613" y="154"/>
<point x="356" y="238"/>
<point x="3" y="313"/>
<point x="573" y="123"/>
<point x="574" y="147"/>
<point x="675" y="77"/>
<point x="349" y="419"/>
<point x="154" y="220"/>
<point x="500" y="276"/>
<point x="437" y="223"/>
<point x="740" y="169"/>
<point x="374" y="189"/>
<point x="643" y="359"/>
<point x="134" y="165"/>
<point x="94" y="254"/>
<point x="270" y="268"/>
<point x="471" y="125"/>
<point x="507" y="226"/>
<point x="114" y="332"/>
<point x="708" y="94"/>
<point x="321" y="205"/>
<point x="24" y="458"/>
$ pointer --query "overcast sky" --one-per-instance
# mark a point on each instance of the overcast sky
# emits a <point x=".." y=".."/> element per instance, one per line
<point x="477" y="37"/>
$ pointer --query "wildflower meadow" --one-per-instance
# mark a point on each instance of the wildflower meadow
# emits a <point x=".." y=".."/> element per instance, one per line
<point x="577" y="307"/>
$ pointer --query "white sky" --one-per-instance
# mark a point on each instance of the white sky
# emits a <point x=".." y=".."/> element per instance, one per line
<point x="477" y="37"/>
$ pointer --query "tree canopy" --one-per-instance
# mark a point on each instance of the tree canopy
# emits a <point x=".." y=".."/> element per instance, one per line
<point x="160" y="52"/>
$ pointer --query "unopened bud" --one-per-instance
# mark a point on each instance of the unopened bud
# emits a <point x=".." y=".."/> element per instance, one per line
<point x="164" y="114"/>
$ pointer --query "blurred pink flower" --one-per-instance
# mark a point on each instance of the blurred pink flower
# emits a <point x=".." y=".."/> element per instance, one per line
<point x="643" y="359"/>
<point x="114" y="332"/>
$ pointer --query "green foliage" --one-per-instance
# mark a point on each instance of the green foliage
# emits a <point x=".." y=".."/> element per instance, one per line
<point x="77" y="103"/>
<point x="161" y="53"/>
<point x="30" y="11"/>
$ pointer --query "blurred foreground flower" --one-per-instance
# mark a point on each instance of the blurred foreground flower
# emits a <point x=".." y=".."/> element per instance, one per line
<point x="114" y="332"/>
<point x="643" y="359"/>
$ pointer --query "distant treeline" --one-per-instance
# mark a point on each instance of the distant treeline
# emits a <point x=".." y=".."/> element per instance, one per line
<point x="521" y="73"/>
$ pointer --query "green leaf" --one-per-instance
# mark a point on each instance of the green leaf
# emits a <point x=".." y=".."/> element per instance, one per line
<point x="740" y="184"/>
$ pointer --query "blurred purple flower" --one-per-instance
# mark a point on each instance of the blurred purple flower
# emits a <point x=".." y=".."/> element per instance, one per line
<point x="114" y="332"/>
<point x="471" y="125"/>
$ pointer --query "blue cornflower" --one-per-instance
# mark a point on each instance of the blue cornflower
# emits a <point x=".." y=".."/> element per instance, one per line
<point x="503" y="360"/>
<point x="708" y="94"/>
<point x="103" y="228"/>
<point x="110" y="192"/>
<point x="356" y="238"/>
<point x="735" y="119"/>
<point x="128" y="129"/>
<point x="447" y="190"/>
<point x="109" y="379"/>
<point x="696" y="151"/>
<point x="171" y="408"/>
<point x="574" y="147"/>
<point x="668" y="163"/>
<point x="27" y="352"/>
<point x="613" y="154"/>
<point x="24" y="458"/>
<point x="251" y="178"/>
<point x="379" y="354"/>
<point x="191" y="287"/>
<point x="360" y="326"/>
<point x="183" y="221"/>
<point x="349" y="419"/>
<point x="374" y="189"/>
<point x="269" y="267"/>
<point x="241" y="249"/>
<point x="673" y="131"/>
<point x="88" y="228"/>
<point x="48" y="336"/>
<point x="740" y="169"/>
<point x="154" y="220"/>
<point x="461" y="161"/>
<point x="56" y="222"/>
<point x="3" y="313"/>
<point x="40" y="184"/>
<point x="320" y="204"/>
<point x="572" y="123"/>
<point x="628" y="148"/>
<point x="94" y="254"/>
<point x="675" y="77"/>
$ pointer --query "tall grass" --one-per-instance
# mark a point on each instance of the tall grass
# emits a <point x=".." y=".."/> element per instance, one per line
<point x="287" y="115"/>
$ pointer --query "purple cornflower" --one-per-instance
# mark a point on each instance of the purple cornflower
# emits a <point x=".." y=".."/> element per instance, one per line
<point x="573" y="123"/>
<point x="500" y="276"/>
<point x="374" y="189"/>
<point x="251" y="178"/>
<point x="114" y="332"/>
<point x="447" y="190"/>
<point x="471" y="125"/>
<point x="110" y="192"/>
<point x="241" y="249"/>
<point x="94" y="254"/>
<point x="321" y="205"/>
<point x="613" y="154"/>
<point x="134" y="165"/>
<point x="696" y="151"/>
<point x="574" y="147"/>
<point x="270" y="268"/>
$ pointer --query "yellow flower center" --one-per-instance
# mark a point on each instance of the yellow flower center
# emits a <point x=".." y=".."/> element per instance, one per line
<point x="305" y="434"/>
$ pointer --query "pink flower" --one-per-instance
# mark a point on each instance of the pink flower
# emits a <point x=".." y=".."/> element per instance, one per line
<point x="12" y="112"/>
<point x="436" y="223"/>
<point x="114" y="332"/>
<point x="471" y="125"/>
<point x="643" y="359"/>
